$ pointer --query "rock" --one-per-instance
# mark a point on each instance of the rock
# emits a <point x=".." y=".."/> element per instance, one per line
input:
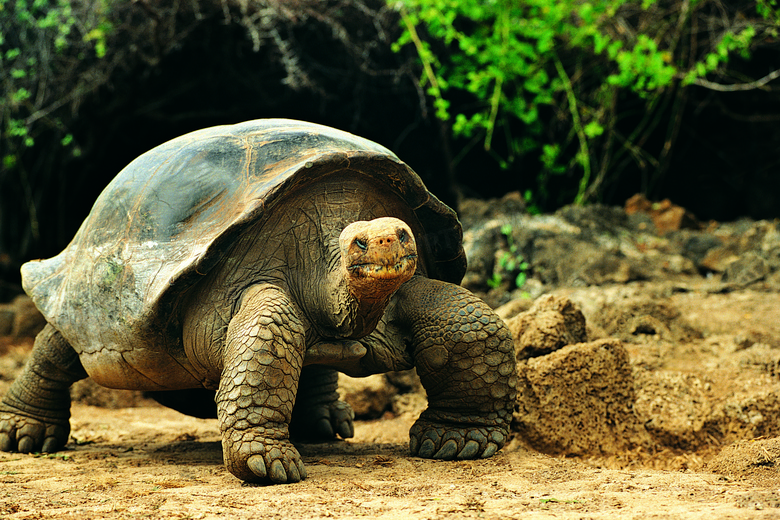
<point x="405" y="381"/>
<point x="745" y="339"/>
<point x="695" y="246"/>
<point x="594" y="220"/>
<point x="718" y="259"/>
<point x="480" y="245"/>
<point x="636" y="317"/>
<point x="579" y="400"/>
<point x="746" y="269"/>
<point x="410" y="405"/>
<point x="773" y="281"/>
<point x="679" y="264"/>
<point x="88" y="392"/>
<point x="552" y="322"/>
<point x="473" y="212"/>
<point x="514" y="307"/>
<point x="574" y="262"/>
<point x="746" y="415"/>
<point x="673" y="407"/>
<point x="665" y="215"/>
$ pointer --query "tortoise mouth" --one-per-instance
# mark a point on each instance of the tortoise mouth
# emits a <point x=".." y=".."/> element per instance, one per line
<point x="384" y="270"/>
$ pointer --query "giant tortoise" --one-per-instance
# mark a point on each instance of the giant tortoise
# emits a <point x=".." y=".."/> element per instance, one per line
<point x="234" y="270"/>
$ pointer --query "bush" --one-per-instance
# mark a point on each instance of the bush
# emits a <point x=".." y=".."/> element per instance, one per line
<point x="560" y="79"/>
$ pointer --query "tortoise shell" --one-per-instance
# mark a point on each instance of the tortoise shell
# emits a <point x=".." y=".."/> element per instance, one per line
<point x="167" y="217"/>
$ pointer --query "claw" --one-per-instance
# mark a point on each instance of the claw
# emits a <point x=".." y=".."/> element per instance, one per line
<point x="346" y="429"/>
<point x="489" y="451"/>
<point x="277" y="473"/>
<point x="447" y="451"/>
<point x="257" y="465"/>
<point x="429" y="439"/>
<point x="293" y="475"/>
<point x="324" y="421"/>
<point x="5" y="442"/>
<point x="342" y="418"/>
<point x="414" y="445"/>
<point x="469" y="451"/>
<point x="50" y="445"/>
<point x="427" y="449"/>
<point x="26" y="445"/>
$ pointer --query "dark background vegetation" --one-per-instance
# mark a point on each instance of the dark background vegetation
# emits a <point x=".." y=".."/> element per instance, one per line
<point x="173" y="67"/>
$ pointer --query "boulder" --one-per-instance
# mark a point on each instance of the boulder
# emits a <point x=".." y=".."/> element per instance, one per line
<point x="579" y="400"/>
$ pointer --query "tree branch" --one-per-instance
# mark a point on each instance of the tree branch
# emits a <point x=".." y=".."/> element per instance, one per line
<point x="738" y="86"/>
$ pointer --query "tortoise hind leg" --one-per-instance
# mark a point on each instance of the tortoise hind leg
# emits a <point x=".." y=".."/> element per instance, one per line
<point x="465" y="357"/>
<point x="318" y="413"/>
<point x="35" y="413"/>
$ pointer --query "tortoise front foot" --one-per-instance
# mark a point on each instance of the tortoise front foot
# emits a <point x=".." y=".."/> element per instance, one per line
<point x="262" y="460"/>
<point x="28" y="435"/>
<point x="263" y="360"/>
<point x="449" y="441"/>
<point x="323" y="422"/>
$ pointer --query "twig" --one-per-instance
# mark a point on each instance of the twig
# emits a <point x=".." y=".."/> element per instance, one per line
<point x="738" y="86"/>
<point x="495" y="100"/>
<point x="575" y="115"/>
<point x="421" y="52"/>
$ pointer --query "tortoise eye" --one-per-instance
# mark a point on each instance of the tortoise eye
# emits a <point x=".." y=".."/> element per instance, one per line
<point x="403" y="236"/>
<point x="362" y="245"/>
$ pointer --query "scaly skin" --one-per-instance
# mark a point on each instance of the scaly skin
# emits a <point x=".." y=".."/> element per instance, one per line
<point x="35" y="413"/>
<point x="464" y="355"/>
<point x="262" y="363"/>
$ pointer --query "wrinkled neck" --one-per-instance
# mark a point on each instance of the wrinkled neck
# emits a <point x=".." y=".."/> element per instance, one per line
<point x="334" y="311"/>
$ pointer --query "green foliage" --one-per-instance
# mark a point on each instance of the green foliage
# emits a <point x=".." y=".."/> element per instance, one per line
<point x="574" y="59"/>
<point x="38" y="38"/>
<point x="48" y="51"/>
<point x="510" y="263"/>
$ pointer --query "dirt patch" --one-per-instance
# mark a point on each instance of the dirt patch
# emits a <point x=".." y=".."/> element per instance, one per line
<point x="151" y="462"/>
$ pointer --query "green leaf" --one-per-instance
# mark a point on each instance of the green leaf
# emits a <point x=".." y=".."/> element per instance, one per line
<point x="9" y="161"/>
<point x="593" y="129"/>
<point x="494" y="281"/>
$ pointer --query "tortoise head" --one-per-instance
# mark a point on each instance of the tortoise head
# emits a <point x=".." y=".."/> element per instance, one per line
<point x="378" y="256"/>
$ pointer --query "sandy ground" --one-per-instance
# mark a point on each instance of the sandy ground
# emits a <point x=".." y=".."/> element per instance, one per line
<point x="150" y="462"/>
<point x="146" y="461"/>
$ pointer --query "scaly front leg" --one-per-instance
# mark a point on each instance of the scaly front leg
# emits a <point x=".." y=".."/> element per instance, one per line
<point x="262" y="364"/>
<point x="465" y="357"/>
